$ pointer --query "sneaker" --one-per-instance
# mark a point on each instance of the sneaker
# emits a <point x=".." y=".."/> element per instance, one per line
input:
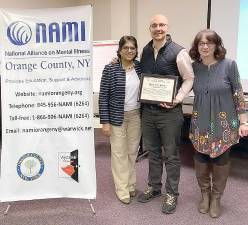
<point x="132" y="194"/>
<point x="169" y="204"/>
<point x="125" y="200"/>
<point x="148" y="195"/>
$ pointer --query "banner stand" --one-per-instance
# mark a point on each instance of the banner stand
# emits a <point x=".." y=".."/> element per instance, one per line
<point x="92" y="207"/>
<point x="90" y="203"/>
<point x="7" y="209"/>
<point x="47" y="105"/>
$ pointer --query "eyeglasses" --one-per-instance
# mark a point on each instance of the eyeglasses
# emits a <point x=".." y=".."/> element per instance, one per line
<point x="160" y="25"/>
<point x="209" y="44"/>
<point x="127" y="48"/>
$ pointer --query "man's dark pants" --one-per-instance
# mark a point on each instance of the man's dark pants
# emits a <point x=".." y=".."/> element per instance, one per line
<point x="162" y="127"/>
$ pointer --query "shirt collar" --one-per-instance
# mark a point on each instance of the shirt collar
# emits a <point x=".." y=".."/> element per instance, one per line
<point x="164" y="41"/>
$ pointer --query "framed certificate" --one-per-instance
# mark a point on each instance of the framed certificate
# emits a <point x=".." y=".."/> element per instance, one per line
<point x="156" y="88"/>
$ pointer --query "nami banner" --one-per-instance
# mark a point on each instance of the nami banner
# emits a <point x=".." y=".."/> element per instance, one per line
<point x="47" y="115"/>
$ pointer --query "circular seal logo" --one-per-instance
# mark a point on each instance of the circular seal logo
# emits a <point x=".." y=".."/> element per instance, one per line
<point x="19" y="33"/>
<point x="30" y="166"/>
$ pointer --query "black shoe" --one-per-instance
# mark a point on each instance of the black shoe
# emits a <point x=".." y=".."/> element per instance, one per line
<point x="169" y="204"/>
<point x="148" y="195"/>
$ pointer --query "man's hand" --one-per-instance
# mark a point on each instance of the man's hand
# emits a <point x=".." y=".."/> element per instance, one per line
<point x="106" y="129"/>
<point x="164" y="105"/>
<point x="114" y="60"/>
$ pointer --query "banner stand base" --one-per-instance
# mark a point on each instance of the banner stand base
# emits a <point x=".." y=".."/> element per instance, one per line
<point x="92" y="207"/>
<point x="7" y="209"/>
<point x="90" y="203"/>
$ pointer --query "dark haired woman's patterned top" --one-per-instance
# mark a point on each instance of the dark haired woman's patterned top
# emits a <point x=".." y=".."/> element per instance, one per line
<point x="218" y="102"/>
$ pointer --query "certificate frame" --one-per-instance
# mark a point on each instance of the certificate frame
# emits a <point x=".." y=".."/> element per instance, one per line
<point x="156" y="88"/>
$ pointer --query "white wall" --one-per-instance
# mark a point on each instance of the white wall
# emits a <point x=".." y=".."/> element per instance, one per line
<point x="120" y="18"/>
<point x="186" y="18"/>
<point x="226" y="23"/>
<point x="101" y="18"/>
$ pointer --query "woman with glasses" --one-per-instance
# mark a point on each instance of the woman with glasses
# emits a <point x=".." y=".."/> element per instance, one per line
<point x="120" y="116"/>
<point x="218" y="117"/>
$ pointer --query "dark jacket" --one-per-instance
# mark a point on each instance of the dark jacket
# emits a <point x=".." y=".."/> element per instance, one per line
<point x="112" y="93"/>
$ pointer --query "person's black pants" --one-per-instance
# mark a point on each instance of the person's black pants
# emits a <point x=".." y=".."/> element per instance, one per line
<point x="162" y="127"/>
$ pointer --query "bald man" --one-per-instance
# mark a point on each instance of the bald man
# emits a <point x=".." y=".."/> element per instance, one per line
<point x="162" y="123"/>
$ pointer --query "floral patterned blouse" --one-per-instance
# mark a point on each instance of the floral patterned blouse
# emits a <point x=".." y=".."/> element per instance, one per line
<point x="218" y="102"/>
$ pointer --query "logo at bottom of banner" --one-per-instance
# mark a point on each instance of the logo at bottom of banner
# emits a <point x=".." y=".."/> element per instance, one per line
<point x="30" y="166"/>
<point x="68" y="165"/>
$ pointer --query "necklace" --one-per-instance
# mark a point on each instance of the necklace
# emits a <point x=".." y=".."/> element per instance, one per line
<point x="128" y="68"/>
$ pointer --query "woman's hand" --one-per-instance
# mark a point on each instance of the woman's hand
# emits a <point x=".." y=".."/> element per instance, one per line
<point x="106" y="129"/>
<point x="243" y="130"/>
<point x="169" y="106"/>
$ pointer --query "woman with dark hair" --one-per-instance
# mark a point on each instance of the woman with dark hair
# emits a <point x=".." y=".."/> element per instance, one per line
<point x="120" y="116"/>
<point x="218" y="117"/>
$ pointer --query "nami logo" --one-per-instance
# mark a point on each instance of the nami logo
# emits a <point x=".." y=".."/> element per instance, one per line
<point x="19" y="33"/>
<point x="30" y="166"/>
<point x="68" y="165"/>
